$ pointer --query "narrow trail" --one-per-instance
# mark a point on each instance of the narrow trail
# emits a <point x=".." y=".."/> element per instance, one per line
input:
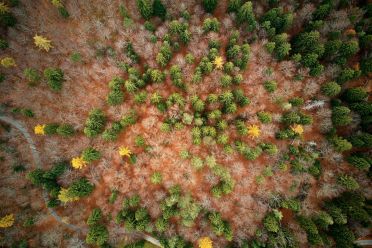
<point x="37" y="161"/>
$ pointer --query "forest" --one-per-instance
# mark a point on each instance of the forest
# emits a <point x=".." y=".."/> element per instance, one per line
<point x="180" y="124"/>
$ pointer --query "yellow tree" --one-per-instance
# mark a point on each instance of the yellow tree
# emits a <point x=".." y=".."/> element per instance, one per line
<point x="8" y="62"/>
<point x="78" y="163"/>
<point x="39" y="129"/>
<point x="205" y="242"/>
<point x="7" y="221"/>
<point x="3" y="8"/>
<point x="297" y="129"/>
<point x="218" y="62"/>
<point x="42" y="43"/>
<point x="57" y="3"/>
<point x="124" y="151"/>
<point x="254" y="131"/>
<point x="65" y="197"/>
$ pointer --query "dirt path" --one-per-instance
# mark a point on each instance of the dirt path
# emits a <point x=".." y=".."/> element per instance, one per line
<point x="37" y="161"/>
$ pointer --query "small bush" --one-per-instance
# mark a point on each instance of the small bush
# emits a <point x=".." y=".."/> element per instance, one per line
<point x="75" y="57"/>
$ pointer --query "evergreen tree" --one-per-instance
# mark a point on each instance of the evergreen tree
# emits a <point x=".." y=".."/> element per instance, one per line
<point x="308" y="42"/>
<point x="341" y="116"/>
<point x="90" y="154"/>
<point x="246" y="15"/>
<point x="234" y="5"/>
<point x="348" y="182"/>
<point x="65" y="130"/>
<point x="312" y="232"/>
<point x="97" y="234"/>
<point x="209" y="5"/>
<point x="55" y="78"/>
<point x="80" y="188"/>
<point x="159" y="9"/>
<point x="331" y="89"/>
<point x="145" y="8"/>
<point x="343" y="236"/>
<point x="359" y="161"/>
<point x="95" y="123"/>
<point x="340" y="144"/>
<point x="361" y="140"/>
<point x="356" y="94"/>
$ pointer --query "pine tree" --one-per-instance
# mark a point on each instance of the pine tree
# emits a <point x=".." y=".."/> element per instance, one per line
<point x="90" y="154"/>
<point x="80" y="188"/>
<point x="246" y="15"/>
<point x="356" y="94"/>
<point x="159" y="9"/>
<point x="341" y="116"/>
<point x="348" y="182"/>
<point x="234" y="5"/>
<point x="55" y="78"/>
<point x="209" y="5"/>
<point x="42" y="43"/>
<point x="359" y="162"/>
<point x="331" y="89"/>
<point x="145" y="8"/>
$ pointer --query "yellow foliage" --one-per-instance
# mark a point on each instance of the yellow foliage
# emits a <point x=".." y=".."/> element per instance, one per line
<point x="64" y="196"/>
<point x="39" y="129"/>
<point x="124" y="151"/>
<point x="218" y="62"/>
<point x="42" y="43"/>
<point x="3" y="8"/>
<point x="254" y="131"/>
<point x="297" y="129"/>
<point x="7" y="221"/>
<point x="8" y="62"/>
<point x="57" y="3"/>
<point x="205" y="242"/>
<point x="78" y="163"/>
